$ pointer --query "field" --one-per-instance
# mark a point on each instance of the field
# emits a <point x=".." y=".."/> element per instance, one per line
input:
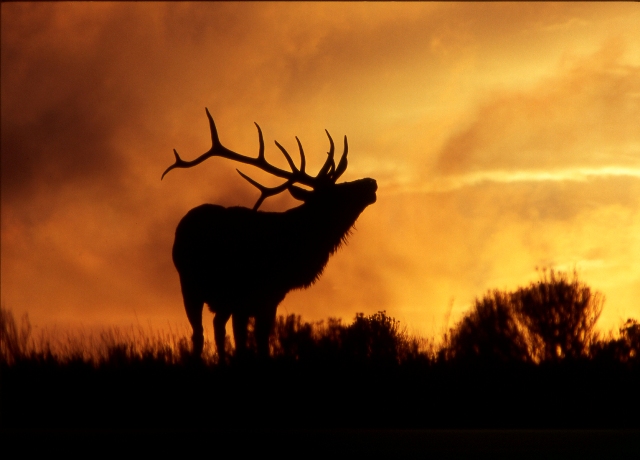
<point x="495" y="370"/>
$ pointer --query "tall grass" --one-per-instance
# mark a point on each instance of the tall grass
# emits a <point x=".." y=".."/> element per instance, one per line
<point x="111" y="345"/>
<point x="16" y="342"/>
<point x="547" y="321"/>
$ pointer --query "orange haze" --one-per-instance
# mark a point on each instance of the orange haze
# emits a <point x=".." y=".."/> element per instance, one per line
<point x="503" y="137"/>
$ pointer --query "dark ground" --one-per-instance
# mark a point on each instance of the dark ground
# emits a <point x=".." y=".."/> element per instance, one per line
<point x="568" y="396"/>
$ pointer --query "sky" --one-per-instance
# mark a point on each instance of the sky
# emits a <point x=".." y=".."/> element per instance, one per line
<point x="503" y="136"/>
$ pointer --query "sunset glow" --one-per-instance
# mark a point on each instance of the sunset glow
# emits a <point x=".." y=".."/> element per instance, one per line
<point x="504" y="138"/>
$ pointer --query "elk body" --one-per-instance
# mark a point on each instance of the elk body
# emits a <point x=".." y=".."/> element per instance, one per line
<point x="242" y="262"/>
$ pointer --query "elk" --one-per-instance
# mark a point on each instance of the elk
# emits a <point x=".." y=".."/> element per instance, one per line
<point x="242" y="262"/>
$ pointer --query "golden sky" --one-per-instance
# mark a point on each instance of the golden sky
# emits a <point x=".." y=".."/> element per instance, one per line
<point x="503" y="137"/>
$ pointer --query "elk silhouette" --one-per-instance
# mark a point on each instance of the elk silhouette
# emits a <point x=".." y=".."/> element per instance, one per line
<point x="242" y="262"/>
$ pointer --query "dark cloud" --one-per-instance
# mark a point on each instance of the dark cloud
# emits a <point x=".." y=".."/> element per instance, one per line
<point x="63" y="108"/>
<point x="67" y="143"/>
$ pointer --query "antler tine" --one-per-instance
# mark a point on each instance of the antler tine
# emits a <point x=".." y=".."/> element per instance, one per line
<point x="327" y="164"/>
<point x="261" y="141"/>
<point x="178" y="164"/>
<point x="303" y="161"/>
<point x="265" y="191"/>
<point x="294" y="169"/>
<point x="214" y="131"/>
<point x="215" y="147"/>
<point x="342" y="165"/>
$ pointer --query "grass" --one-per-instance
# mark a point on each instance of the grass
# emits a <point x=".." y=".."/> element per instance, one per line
<point x="502" y="366"/>
<point x="374" y="338"/>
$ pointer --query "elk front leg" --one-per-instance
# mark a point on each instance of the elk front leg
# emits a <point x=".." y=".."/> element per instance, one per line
<point x="219" y="334"/>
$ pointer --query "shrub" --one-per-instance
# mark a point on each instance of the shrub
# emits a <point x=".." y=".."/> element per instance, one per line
<point x="376" y="337"/>
<point x="550" y="320"/>
<point x="623" y="349"/>
<point x="561" y="314"/>
<point x="490" y="332"/>
<point x="293" y="338"/>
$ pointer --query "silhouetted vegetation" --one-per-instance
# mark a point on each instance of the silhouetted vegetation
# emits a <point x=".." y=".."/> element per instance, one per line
<point x="529" y="358"/>
<point x="548" y="321"/>
<point x="490" y="332"/>
<point x="375" y="339"/>
<point x="625" y="348"/>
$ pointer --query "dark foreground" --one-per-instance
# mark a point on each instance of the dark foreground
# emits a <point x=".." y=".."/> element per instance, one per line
<point x="279" y="395"/>
<point x="573" y="410"/>
<point x="334" y="443"/>
<point x="418" y="408"/>
<point x="507" y="382"/>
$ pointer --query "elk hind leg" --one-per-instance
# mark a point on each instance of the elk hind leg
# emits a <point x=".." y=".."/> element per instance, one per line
<point x="219" y="334"/>
<point x="193" y="306"/>
<point x="240" y="324"/>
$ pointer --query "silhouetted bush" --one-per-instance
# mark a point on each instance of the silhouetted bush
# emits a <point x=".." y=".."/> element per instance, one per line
<point x="490" y="332"/>
<point x="293" y="338"/>
<point x="550" y="320"/>
<point x="623" y="349"/>
<point x="630" y="341"/>
<point x="375" y="338"/>
<point x="561" y="314"/>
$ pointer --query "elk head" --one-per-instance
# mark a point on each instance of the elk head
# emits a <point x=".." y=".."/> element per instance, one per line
<point x="324" y="190"/>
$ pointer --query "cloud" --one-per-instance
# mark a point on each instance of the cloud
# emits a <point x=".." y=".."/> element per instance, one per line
<point x="582" y="120"/>
<point x="577" y="174"/>
<point x="502" y="126"/>
<point x="63" y="102"/>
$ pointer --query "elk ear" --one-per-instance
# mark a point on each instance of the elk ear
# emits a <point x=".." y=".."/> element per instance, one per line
<point x="300" y="193"/>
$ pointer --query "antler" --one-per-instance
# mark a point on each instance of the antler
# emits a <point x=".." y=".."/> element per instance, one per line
<point x="328" y="173"/>
<point x="329" y="170"/>
<point x="266" y="191"/>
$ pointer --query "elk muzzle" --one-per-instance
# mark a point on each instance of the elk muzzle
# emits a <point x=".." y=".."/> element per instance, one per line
<point x="371" y="186"/>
